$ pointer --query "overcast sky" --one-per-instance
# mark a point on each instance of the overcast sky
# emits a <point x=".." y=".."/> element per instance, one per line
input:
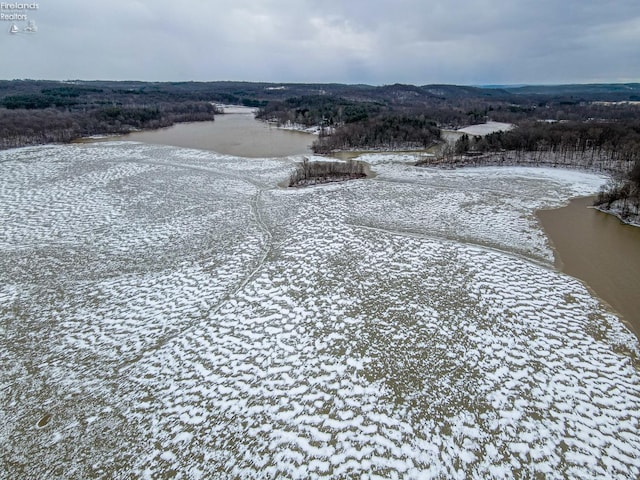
<point x="352" y="41"/>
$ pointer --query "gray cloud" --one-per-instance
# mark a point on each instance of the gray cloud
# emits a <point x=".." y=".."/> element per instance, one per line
<point x="374" y="41"/>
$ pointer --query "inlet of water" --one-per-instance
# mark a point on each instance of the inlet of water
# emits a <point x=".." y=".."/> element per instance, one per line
<point x="601" y="251"/>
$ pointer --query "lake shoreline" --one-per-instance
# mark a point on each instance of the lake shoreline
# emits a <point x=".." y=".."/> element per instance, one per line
<point x="635" y="222"/>
<point x="577" y="233"/>
<point x="530" y="159"/>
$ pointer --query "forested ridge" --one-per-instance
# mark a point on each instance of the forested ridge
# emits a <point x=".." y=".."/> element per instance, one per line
<point x="387" y="131"/>
<point x="37" y="112"/>
<point x="20" y="127"/>
<point x="42" y="111"/>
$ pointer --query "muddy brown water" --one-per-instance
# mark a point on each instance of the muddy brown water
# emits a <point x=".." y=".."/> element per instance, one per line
<point x="600" y="250"/>
<point x="231" y="134"/>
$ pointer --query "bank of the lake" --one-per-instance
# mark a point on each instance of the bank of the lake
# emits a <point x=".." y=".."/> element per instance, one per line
<point x="617" y="209"/>
<point x="600" y="250"/>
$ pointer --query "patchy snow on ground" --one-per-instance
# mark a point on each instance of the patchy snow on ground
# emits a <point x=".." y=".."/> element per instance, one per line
<point x="173" y="313"/>
<point x="298" y="127"/>
<point x="235" y="109"/>
<point x="393" y="158"/>
<point x="483" y="129"/>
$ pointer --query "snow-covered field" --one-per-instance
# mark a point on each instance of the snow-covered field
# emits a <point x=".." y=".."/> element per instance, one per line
<point x="486" y="128"/>
<point x="315" y="130"/>
<point x="172" y="313"/>
<point x="236" y="109"/>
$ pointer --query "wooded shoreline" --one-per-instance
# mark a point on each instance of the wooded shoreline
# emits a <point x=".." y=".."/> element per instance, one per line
<point x="619" y="197"/>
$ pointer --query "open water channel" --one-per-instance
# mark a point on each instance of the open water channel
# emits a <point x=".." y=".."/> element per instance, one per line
<point x="231" y="134"/>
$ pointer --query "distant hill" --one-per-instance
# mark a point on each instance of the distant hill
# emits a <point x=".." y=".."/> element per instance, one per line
<point x="257" y="93"/>
<point x="589" y="92"/>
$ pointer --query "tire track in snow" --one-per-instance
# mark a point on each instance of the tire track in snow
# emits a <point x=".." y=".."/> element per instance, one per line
<point x="255" y="208"/>
<point x="444" y="238"/>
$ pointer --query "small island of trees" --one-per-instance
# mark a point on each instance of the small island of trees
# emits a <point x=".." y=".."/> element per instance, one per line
<point x="317" y="172"/>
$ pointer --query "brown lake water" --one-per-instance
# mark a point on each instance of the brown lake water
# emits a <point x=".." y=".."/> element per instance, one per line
<point x="601" y="251"/>
<point x="231" y="134"/>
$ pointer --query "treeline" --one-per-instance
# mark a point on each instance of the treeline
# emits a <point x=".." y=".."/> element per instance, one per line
<point x="36" y="112"/>
<point x="623" y="190"/>
<point x="407" y="117"/>
<point x="573" y="110"/>
<point x="37" y="101"/>
<point x="347" y="124"/>
<point x="595" y="141"/>
<point x="20" y="127"/>
<point x="622" y="194"/>
<point x="43" y="93"/>
<point x="118" y="119"/>
<point x="461" y="113"/>
<point x="334" y="111"/>
<point x="387" y="131"/>
<point x="311" y="110"/>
